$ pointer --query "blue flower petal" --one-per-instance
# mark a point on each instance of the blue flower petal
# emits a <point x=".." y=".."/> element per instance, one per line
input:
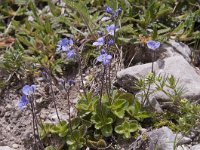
<point x="26" y="90"/>
<point x="108" y="57"/>
<point x="22" y="103"/>
<point x="106" y="62"/>
<point x="64" y="45"/>
<point x="100" y="58"/>
<point x="153" y="44"/>
<point x="99" y="42"/>
<point x="104" y="58"/>
<point x="111" y="29"/>
<point x="111" y="42"/>
<point x="109" y="10"/>
<point x="71" y="54"/>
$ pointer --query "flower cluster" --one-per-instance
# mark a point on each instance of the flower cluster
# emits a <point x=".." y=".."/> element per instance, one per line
<point x="103" y="41"/>
<point x="104" y="58"/>
<point x="27" y="91"/>
<point x="115" y="14"/>
<point x="65" y="45"/>
<point x="111" y="29"/>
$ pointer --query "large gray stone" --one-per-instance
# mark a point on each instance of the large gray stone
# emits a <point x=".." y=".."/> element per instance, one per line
<point x="6" y="148"/>
<point x="170" y="48"/>
<point x="174" y="48"/>
<point x="159" y="139"/>
<point x="187" y="76"/>
<point x="195" y="147"/>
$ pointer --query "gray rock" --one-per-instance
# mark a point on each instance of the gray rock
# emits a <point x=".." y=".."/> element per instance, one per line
<point x="174" y="48"/>
<point x="6" y="148"/>
<point x="164" y="139"/>
<point x="195" y="147"/>
<point x="177" y="66"/>
<point x="182" y="147"/>
<point x="160" y="139"/>
<point x="168" y="49"/>
<point x="15" y="146"/>
<point x="54" y="119"/>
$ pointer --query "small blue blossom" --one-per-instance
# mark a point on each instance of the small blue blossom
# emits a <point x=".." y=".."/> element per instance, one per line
<point x="22" y="103"/>
<point x="71" y="54"/>
<point x="100" y="42"/>
<point x="71" y="82"/>
<point x="61" y="83"/>
<point x="103" y="51"/>
<point x="111" y="29"/>
<point x="111" y="42"/>
<point x="115" y="14"/>
<point x="64" y="45"/>
<point x="109" y="10"/>
<point x="27" y="90"/>
<point x="153" y="44"/>
<point x="118" y="11"/>
<point x="104" y="58"/>
<point x="100" y="33"/>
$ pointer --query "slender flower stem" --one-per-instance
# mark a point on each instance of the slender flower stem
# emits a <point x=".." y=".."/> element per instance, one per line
<point x="107" y="85"/>
<point x="68" y="103"/>
<point x="36" y="120"/>
<point x="153" y="59"/>
<point x="102" y="86"/>
<point x="81" y="74"/>
<point x="33" y="121"/>
<point x="54" y="97"/>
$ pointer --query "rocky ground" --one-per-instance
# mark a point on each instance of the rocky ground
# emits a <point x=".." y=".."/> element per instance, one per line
<point x="15" y="125"/>
<point x="173" y="58"/>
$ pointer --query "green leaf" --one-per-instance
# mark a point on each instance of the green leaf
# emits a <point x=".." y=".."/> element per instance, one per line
<point x="50" y="148"/>
<point x="75" y="123"/>
<point x="107" y="130"/>
<point x="126" y="128"/>
<point x="61" y="129"/>
<point x="21" y="2"/>
<point x="119" y="112"/>
<point x="55" y="10"/>
<point x="76" y="139"/>
<point x="120" y="103"/>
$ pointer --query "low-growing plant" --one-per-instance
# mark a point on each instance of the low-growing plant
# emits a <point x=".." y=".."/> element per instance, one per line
<point x="122" y="116"/>
<point x="109" y="113"/>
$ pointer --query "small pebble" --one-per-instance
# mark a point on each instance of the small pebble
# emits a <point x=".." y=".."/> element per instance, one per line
<point x="15" y="146"/>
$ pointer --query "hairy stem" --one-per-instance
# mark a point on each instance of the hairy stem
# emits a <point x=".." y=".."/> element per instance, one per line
<point x="81" y="74"/>
<point x="54" y="98"/>
<point x="68" y="103"/>
<point x="33" y="121"/>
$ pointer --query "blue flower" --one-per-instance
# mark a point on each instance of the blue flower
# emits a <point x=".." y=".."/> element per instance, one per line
<point x="109" y="10"/>
<point x="100" y="42"/>
<point x="104" y="58"/>
<point x="27" y="90"/>
<point x="71" y="54"/>
<point x="103" y="51"/>
<point x="115" y="14"/>
<point x="118" y="11"/>
<point x="111" y="42"/>
<point x="71" y="82"/>
<point x="153" y="44"/>
<point x="64" y="45"/>
<point x="111" y="29"/>
<point x="22" y="103"/>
